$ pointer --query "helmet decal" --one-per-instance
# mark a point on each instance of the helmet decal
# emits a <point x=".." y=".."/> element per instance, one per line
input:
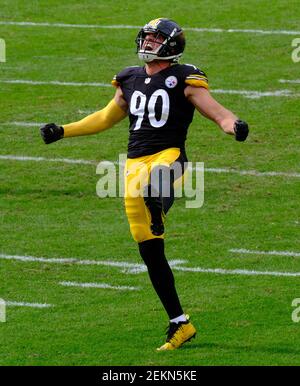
<point x="153" y="23"/>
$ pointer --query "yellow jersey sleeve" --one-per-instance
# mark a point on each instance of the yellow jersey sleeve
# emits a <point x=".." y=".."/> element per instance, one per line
<point x="197" y="80"/>
<point x="96" y="122"/>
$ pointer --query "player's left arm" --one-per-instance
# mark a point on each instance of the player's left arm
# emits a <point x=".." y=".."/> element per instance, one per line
<point x="201" y="98"/>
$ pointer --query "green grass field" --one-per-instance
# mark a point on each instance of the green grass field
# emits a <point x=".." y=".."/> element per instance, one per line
<point x="51" y="210"/>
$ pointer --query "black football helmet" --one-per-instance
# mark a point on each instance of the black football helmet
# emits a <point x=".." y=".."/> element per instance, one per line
<point x="172" y="46"/>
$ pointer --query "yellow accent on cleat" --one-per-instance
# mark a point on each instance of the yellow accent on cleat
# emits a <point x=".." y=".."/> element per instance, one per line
<point x="182" y="334"/>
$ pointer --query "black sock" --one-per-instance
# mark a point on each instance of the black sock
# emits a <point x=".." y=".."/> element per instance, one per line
<point x="161" y="276"/>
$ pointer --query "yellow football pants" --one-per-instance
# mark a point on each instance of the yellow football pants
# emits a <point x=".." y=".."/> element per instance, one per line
<point x="137" y="174"/>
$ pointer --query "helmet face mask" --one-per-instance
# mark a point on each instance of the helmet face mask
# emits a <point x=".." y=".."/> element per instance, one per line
<point x="168" y="37"/>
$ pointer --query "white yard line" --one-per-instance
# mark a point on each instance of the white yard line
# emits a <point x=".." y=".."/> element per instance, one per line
<point x="118" y="264"/>
<point x="97" y="285"/>
<point x="255" y="173"/>
<point x="23" y="124"/>
<point x="54" y="83"/>
<point x="270" y="253"/>
<point x="137" y="268"/>
<point x="252" y="94"/>
<point x="122" y="26"/>
<point x="87" y="112"/>
<point x="25" y="304"/>
<point x="291" y="81"/>
<point x="237" y="272"/>
<point x="43" y="159"/>
<point x="245" y="31"/>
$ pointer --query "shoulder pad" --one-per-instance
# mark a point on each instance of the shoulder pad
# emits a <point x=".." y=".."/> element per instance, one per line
<point x="195" y="77"/>
<point x="124" y="74"/>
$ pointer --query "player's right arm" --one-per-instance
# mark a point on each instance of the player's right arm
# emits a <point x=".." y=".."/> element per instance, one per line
<point x="114" y="112"/>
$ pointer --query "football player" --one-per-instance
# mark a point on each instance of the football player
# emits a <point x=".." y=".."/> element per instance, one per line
<point x="159" y="99"/>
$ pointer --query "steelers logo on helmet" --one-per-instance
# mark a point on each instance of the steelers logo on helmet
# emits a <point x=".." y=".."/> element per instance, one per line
<point x="170" y="37"/>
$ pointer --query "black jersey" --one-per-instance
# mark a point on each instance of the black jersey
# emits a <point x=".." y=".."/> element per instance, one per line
<point x="159" y="112"/>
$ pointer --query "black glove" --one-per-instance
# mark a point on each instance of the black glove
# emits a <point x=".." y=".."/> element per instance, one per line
<point x="51" y="132"/>
<point x="241" y="130"/>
